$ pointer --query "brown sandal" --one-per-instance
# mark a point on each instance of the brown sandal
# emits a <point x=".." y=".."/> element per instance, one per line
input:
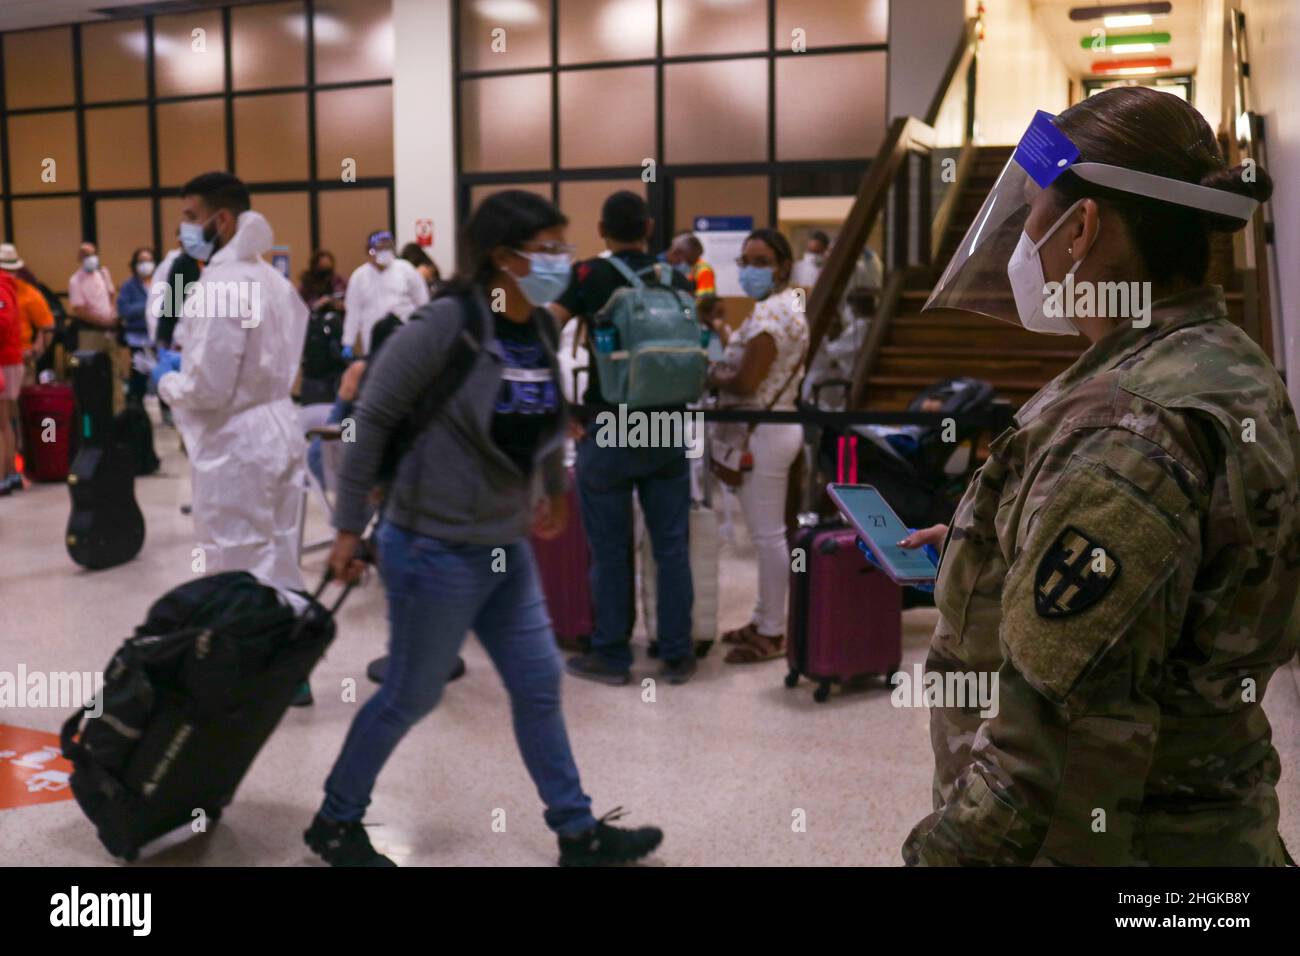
<point x="758" y="648"/>
<point x="739" y="635"/>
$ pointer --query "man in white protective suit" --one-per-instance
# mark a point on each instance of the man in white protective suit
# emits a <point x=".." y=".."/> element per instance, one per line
<point x="243" y="328"/>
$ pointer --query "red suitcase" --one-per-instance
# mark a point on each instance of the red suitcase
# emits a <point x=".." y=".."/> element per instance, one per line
<point x="47" y="412"/>
<point x="564" y="564"/>
<point x="845" y="614"/>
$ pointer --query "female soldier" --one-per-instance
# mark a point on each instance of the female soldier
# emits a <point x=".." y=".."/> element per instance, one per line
<point x="1128" y="558"/>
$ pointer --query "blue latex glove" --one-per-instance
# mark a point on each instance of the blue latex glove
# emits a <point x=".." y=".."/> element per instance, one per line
<point x="930" y="551"/>
<point x="347" y="352"/>
<point x="168" y="361"/>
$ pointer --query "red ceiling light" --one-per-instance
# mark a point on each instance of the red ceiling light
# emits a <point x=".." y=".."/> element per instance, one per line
<point x="1133" y="67"/>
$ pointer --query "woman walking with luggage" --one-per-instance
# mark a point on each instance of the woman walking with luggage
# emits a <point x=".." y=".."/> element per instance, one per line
<point x="452" y="546"/>
<point x="760" y="369"/>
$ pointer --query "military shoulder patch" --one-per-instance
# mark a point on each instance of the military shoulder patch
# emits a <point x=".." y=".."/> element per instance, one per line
<point x="1073" y="575"/>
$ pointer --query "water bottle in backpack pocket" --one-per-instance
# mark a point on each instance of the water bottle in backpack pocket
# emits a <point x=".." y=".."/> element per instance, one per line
<point x="647" y="344"/>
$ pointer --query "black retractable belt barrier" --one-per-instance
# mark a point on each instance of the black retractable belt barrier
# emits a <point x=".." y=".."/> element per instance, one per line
<point x="994" y="419"/>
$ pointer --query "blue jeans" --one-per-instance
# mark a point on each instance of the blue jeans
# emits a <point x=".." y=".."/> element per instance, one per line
<point x="661" y="478"/>
<point x="315" y="464"/>
<point x="438" y="590"/>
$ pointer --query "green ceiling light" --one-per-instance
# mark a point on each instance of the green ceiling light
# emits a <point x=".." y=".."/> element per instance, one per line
<point x="1124" y="43"/>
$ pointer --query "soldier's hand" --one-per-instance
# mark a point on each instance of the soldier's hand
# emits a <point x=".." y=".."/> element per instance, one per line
<point x="933" y="536"/>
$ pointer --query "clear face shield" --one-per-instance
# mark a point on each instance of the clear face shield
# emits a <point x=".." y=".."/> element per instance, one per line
<point x="996" y="270"/>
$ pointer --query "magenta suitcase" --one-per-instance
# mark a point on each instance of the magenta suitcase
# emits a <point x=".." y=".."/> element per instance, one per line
<point x="564" y="564"/>
<point x="845" y="617"/>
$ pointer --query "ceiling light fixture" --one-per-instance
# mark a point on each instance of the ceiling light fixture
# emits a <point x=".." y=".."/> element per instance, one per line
<point x="1132" y="67"/>
<point x="1124" y="43"/>
<point x="1123" y="14"/>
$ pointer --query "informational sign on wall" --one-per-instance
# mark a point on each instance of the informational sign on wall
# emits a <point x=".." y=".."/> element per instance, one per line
<point x="280" y="260"/>
<point x="723" y="237"/>
<point x="424" y="232"/>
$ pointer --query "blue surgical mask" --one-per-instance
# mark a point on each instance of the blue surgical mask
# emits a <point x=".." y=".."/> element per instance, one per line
<point x="547" y="278"/>
<point x="756" y="281"/>
<point x="195" y="242"/>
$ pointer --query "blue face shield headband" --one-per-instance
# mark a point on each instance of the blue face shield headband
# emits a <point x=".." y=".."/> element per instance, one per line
<point x="976" y="280"/>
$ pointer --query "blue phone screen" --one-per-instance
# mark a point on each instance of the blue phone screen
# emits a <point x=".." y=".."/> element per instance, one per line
<point x="871" y="515"/>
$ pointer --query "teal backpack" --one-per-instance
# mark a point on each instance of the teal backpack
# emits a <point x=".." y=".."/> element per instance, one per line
<point x="652" y="339"/>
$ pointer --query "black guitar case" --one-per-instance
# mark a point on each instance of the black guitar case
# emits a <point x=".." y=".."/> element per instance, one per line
<point x="106" y="527"/>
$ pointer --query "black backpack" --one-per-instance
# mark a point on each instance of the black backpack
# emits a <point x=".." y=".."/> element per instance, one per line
<point x="322" y="350"/>
<point x="464" y="351"/>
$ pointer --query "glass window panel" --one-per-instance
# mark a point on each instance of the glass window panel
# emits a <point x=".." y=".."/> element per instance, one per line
<point x="715" y="112"/>
<point x="506" y="123"/>
<point x="591" y="134"/>
<point x="581" y="202"/>
<point x="189" y="53"/>
<point x="593" y="30"/>
<point x="268" y="45"/>
<point x="290" y="217"/>
<point x="354" y="41"/>
<point x="114" y="61"/>
<point x="525" y="40"/>
<point x="191" y="140"/>
<point x="117" y="148"/>
<point x="47" y="233"/>
<point x="714" y="26"/>
<point x="718" y="196"/>
<point x="347" y="216"/>
<point x="354" y="124"/>
<point x="271" y="137"/>
<point x="169" y="222"/>
<point x="478" y="193"/>
<point x="43" y="146"/>
<point x="830" y="106"/>
<point x="38" y="68"/>
<point x="831" y="22"/>
<point x="121" y="227"/>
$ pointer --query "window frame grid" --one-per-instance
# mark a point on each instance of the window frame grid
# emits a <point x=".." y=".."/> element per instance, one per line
<point x="313" y="185"/>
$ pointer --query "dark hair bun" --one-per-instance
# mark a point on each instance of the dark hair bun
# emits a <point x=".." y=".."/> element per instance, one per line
<point x="1245" y="179"/>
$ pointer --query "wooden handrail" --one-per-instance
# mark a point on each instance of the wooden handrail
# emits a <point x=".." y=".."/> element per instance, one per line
<point x="957" y="64"/>
<point x="906" y="134"/>
<point x="877" y="334"/>
<point x="1244" y="134"/>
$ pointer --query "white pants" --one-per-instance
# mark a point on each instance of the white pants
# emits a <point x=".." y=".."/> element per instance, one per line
<point x="762" y="498"/>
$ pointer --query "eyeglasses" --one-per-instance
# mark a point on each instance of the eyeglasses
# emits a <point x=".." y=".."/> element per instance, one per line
<point x="551" y="249"/>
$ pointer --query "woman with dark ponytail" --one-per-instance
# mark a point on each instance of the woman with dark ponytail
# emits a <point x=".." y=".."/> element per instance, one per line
<point x="452" y="542"/>
<point x="1123" y="571"/>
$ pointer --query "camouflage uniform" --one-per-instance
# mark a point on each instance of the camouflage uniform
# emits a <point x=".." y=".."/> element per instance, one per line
<point x="1127" y="561"/>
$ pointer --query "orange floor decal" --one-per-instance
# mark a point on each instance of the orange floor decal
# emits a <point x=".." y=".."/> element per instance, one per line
<point x="31" y="768"/>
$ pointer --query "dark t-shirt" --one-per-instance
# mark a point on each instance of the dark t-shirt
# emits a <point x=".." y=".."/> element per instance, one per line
<point x="528" y="403"/>
<point x="592" y="283"/>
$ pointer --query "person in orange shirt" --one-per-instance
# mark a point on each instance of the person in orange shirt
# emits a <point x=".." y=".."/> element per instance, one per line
<point x="36" y="321"/>
<point x="11" y="370"/>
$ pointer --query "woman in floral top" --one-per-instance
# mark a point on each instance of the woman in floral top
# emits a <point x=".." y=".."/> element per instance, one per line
<point x="761" y="367"/>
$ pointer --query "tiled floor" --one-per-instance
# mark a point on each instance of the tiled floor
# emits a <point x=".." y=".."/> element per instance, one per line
<point x="722" y="764"/>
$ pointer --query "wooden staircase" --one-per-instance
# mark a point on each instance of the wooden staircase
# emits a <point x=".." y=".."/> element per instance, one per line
<point x="922" y="348"/>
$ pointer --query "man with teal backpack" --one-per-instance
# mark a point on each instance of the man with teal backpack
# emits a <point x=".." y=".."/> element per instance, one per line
<point x="639" y="323"/>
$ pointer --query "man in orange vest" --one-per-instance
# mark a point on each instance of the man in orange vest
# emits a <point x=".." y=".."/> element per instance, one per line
<point x="686" y="254"/>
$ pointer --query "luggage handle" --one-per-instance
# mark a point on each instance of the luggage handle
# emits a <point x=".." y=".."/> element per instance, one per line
<point x="364" y="552"/>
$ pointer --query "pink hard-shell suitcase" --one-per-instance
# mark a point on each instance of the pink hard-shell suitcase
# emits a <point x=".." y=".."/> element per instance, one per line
<point x="564" y="564"/>
<point x="845" y="614"/>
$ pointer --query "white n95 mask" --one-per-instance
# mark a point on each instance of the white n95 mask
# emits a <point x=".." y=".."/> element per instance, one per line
<point x="1025" y="272"/>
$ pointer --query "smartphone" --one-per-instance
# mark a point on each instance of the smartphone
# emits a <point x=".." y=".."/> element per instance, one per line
<point x="869" y="513"/>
